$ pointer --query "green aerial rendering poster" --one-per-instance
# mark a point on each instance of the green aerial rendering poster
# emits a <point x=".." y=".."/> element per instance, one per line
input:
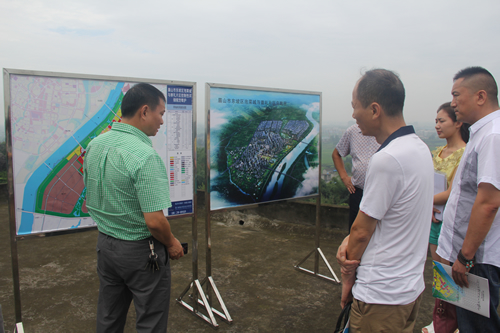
<point x="264" y="145"/>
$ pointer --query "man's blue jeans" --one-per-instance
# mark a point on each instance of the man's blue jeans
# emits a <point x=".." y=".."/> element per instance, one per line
<point x="472" y="322"/>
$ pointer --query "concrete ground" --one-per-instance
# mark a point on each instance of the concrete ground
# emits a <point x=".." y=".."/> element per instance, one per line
<point x="252" y="268"/>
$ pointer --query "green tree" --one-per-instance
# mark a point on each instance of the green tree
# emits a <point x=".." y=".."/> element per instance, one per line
<point x="334" y="192"/>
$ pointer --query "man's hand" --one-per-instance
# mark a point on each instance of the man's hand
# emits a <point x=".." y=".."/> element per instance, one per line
<point x="348" y="184"/>
<point x="458" y="272"/>
<point x="483" y="213"/>
<point x="175" y="250"/>
<point x="339" y="165"/>
<point x="159" y="227"/>
<point x="434" y="211"/>
<point x="346" y="266"/>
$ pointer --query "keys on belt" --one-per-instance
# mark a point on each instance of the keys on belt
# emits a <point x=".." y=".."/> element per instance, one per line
<point x="152" y="263"/>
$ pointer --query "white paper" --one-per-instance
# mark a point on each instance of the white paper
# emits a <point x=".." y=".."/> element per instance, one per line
<point x="476" y="298"/>
<point x="439" y="186"/>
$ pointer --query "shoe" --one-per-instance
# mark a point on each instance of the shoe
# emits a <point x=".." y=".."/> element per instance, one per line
<point x="428" y="329"/>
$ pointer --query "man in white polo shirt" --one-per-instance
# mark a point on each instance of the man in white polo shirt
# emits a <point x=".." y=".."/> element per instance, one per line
<point x="389" y="236"/>
<point x="470" y="235"/>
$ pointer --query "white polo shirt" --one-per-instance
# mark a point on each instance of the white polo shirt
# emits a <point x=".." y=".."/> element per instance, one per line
<point x="398" y="193"/>
<point x="480" y="163"/>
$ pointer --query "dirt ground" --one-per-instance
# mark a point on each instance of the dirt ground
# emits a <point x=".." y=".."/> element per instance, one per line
<point x="252" y="266"/>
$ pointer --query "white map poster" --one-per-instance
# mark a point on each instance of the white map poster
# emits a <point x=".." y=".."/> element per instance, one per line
<point x="476" y="298"/>
<point x="53" y="119"/>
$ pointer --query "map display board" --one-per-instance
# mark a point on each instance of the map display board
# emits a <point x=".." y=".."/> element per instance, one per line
<point x="54" y="116"/>
<point x="264" y="145"/>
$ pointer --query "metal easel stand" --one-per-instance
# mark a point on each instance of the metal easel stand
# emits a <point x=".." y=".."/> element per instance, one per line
<point x="202" y="302"/>
<point x="201" y="299"/>
<point x="19" y="328"/>
<point x="197" y="289"/>
<point x="317" y="251"/>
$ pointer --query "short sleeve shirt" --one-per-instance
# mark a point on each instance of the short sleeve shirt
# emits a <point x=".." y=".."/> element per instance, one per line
<point x="480" y="164"/>
<point x="125" y="177"/>
<point x="446" y="165"/>
<point x="399" y="194"/>
<point x="361" y="148"/>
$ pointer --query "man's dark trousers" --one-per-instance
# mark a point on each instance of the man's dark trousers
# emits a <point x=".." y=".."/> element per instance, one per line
<point x="354" y="201"/>
<point x="123" y="276"/>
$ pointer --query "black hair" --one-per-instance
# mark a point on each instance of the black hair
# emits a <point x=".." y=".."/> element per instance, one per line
<point x="477" y="79"/>
<point x="464" y="129"/>
<point x="383" y="87"/>
<point x="139" y="95"/>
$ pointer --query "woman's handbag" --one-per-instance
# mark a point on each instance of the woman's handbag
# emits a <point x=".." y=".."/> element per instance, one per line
<point x="343" y="321"/>
<point x="444" y="317"/>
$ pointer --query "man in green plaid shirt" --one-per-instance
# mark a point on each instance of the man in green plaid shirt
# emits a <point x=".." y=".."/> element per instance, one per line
<point x="127" y="191"/>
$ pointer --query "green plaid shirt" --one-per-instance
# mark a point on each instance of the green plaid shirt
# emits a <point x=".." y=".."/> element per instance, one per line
<point x="125" y="177"/>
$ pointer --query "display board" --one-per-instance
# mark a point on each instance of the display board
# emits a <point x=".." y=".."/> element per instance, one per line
<point x="54" y="116"/>
<point x="264" y="144"/>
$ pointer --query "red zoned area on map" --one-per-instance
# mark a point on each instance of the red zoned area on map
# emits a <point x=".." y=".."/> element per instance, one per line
<point x="63" y="192"/>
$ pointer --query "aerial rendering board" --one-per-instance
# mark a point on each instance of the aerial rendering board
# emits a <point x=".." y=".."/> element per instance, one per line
<point x="54" y="116"/>
<point x="264" y="145"/>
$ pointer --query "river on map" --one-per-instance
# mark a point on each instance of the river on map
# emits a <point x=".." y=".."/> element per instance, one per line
<point x="289" y="160"/>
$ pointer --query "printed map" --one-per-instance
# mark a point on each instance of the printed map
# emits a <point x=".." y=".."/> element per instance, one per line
<point x="53" y="120"/>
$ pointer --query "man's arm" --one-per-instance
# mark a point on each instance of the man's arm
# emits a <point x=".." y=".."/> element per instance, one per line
<point x="159" y="227"/>
<point x="482" y="215"/>
<point x="339" y="165"/>
<point x="361" y="232"/>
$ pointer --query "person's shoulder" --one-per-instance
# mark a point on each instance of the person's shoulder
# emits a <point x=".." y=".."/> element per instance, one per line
<point x="495" y="125"/>
<point x="353" y="129"/>
<point x="128" y="144"/>
<point x="139" y="149"/>
<point x="102" y="139"/>
<point x="436" y="151"/>
<point x="383" y="158"/>
<point x="408" y="147"/>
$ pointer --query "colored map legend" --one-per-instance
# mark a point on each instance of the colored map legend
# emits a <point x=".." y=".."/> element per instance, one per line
<point x="180" y="148"/>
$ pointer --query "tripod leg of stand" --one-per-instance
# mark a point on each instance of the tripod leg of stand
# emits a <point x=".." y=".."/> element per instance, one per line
<point x="198" y="290"/>
<point x="315" y="273"/>
<point x="328" y="265"/>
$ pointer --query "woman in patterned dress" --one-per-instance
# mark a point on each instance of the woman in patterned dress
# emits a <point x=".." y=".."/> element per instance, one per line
<point x="446" y="160"/>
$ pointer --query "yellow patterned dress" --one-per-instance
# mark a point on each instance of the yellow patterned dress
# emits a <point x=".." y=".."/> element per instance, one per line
<point x="447" y="166"/>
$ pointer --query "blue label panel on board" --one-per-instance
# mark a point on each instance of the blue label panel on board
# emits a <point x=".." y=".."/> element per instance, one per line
<point x="181" y="207"/>
<point x="179" y="95"/>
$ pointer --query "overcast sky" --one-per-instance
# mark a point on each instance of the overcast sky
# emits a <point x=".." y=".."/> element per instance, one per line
<point x="314" y="45"/>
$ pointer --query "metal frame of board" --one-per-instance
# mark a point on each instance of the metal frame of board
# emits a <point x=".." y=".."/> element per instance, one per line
<point x="14" y="238"/>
